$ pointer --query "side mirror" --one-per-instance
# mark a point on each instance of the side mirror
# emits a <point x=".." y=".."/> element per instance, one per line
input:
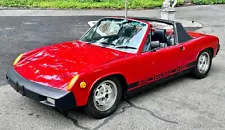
<point x="154" y="44"/>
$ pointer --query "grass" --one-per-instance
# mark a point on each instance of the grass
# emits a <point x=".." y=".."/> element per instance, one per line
<point x="206" y="2"/>
<point x="84" y="4"/>
<point x="93" y="4"/>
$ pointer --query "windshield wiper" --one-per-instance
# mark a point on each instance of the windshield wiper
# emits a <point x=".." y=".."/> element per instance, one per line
<point x="107" y="43"/>
<point x="126" y="47"/>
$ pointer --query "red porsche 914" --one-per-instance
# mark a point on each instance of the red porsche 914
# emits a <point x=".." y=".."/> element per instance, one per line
<point x="115" y="58"/>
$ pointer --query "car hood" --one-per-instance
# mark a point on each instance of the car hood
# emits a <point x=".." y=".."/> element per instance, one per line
<point x="55" y="65"/>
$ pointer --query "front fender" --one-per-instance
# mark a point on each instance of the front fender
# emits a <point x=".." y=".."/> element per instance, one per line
<point x="82" y="94"/>
<point x="124" y="67"/>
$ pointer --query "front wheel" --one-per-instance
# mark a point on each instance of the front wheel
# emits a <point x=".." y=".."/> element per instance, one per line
<point x="104" y="98"/>
<point x="203" y="64"/>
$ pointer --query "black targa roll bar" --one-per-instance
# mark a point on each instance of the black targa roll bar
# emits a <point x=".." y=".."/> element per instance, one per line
<point x="180" y="33"/>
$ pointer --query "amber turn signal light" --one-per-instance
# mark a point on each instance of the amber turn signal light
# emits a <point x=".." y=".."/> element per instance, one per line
<point x="17" y="59"/>
<point x="72" y="82"/>
<point x="83" y="84"/>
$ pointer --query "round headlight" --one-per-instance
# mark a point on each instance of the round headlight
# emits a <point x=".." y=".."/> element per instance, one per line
<point x="17" y="59"/>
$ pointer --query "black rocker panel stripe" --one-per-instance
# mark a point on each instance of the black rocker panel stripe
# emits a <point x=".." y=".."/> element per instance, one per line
<point x="155" y="83"/>
<point x="191" y="64"/>
<point x="162" y="75"/>
<point x="150" y="79"/>
<point x="133" y="85"/>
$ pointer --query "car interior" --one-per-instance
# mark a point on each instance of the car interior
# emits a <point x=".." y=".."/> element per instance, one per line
<point x="158" y="38"/>
<point x="175" y="33"/>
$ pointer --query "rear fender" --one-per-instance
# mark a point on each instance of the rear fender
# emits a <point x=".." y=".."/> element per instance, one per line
<point x="209" y="42"/>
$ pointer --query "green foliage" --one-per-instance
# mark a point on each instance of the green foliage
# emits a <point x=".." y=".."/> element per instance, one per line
<point x="206" y="2"/>
<point x="84" y="4"/>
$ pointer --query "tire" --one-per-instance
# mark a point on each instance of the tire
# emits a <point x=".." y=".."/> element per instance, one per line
<point x="103" y="101"/>
<point x="203" y="64"/>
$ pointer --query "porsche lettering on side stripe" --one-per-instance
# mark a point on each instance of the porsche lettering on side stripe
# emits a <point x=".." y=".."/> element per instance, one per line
<point x="162" y="75"/>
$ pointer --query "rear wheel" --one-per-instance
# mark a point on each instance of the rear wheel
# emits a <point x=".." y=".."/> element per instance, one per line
<point x="104" y="98"/>
<point x="203" y="64"/>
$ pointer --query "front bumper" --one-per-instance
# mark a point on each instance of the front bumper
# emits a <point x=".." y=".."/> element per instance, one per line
<point x="63" y="100"/>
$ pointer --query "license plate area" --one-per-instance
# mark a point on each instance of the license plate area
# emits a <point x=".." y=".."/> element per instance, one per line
<point x="20" y="89"/>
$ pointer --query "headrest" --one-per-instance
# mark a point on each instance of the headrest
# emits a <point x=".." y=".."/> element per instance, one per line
<point x="159" y="34"/>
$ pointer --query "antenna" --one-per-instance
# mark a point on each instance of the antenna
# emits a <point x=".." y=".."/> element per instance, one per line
<point x="126" y="1"/>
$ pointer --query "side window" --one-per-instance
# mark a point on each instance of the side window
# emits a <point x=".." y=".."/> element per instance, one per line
<point x="161" y="35"/>
<point x="156" y="39"/>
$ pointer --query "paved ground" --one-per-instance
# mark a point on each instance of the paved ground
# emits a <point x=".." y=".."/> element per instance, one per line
<point x="185" y="103"/>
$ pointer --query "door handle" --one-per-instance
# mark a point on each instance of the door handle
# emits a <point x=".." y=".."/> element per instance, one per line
<point x="181" y="48"/>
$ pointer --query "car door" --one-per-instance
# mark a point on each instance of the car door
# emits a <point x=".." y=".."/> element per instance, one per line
<point x="167" y="61"/>
<point x="189" y="53"/>
<point x="159" y="64"/>
<point x="187" y="46"/>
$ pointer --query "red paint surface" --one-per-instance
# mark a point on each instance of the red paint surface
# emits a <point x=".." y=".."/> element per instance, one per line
<point x="55" y="65"/>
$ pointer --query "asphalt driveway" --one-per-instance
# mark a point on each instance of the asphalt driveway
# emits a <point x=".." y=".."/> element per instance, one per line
<point x="185" y="103"/>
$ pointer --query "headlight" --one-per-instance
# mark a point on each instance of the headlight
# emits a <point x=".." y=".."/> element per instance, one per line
<point x="72" y="82"/>
<point x="17" y="59"/>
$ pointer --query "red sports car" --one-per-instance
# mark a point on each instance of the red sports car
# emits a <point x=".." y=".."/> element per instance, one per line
<point x="115" y="58"/>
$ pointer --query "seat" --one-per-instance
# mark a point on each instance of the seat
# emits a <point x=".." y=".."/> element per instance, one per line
<point x="158" y="40"/>
<point x="153" y="45"/>
<point x="160" y="35"/>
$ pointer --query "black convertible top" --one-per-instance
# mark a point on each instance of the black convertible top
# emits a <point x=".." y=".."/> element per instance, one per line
<point x="180" y="32"/>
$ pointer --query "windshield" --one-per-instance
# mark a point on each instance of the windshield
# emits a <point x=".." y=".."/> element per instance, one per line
<point x="118" y="34"/>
